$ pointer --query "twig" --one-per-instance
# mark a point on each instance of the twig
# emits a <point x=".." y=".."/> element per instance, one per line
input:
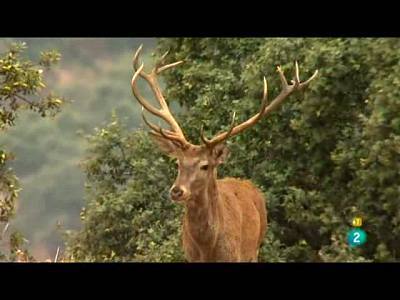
<point x="122" y="150"/>
<point x="14" y="99"/>
<point x="55" y="258"/>
<point x="25" y="100"/>
<point x="5" y="229"/>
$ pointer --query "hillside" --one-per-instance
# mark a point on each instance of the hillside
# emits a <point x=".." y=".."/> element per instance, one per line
<point x="94" y="74"/>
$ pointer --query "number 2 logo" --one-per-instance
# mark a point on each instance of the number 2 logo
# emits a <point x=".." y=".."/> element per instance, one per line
<point x="356" y="238"/>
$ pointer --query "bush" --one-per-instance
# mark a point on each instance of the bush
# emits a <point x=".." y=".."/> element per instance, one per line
<point x="325" y="156"/>
<point x="128" y="215"/>
<point x="21" y="89"/>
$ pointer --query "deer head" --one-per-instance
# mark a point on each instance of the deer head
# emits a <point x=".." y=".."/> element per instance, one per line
<point x="197" y="163"/>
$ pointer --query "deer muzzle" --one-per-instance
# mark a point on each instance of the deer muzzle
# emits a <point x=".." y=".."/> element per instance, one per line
<point x="178" y="193"/>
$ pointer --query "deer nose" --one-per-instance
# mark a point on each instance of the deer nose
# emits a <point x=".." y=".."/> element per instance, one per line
<point x="176" y="192"/>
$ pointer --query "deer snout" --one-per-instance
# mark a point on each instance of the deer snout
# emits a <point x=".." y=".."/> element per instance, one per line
<point x="178" y="193"/>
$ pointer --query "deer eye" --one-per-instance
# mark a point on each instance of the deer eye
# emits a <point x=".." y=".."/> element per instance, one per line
<point x="204" y="167"/>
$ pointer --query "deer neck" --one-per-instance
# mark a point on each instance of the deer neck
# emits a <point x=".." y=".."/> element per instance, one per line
<point x="202" y="213"/>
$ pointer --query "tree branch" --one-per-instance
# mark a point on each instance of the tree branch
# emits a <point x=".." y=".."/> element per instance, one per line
<point x="25" y="100"/>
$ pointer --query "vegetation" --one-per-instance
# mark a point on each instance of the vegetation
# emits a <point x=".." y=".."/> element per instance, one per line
<point x="123" y="220"/>
<point x="327" y="155"/>
<point x="21" y="88"/>
<point x="94" y="74"/>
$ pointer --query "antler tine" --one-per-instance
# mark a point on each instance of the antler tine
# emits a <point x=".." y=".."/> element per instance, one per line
<point x="164" y="55"/>
<point x="171" y="137"/>
<point x="139" y="96"/>
<point x="304" y="84"/>
<point x="235" y="130"/>
<point x="232" y="125"/>
<point x="205" y="140"/>
<point x="296" y="73"/>
<point x="286" y="91"/>
<point x="147" y="122"/>
<point x="158" y="68"/>
<point x="282" y="77"/>
<point x="163" y="112"/>
<point x="136" y="57"/>
<point x="163" y="132"/>
<point x="166" y="67"/>
<point x="208" y="142"/>
<point x="264" y="101"/>
<point x="296" y="80"/>
<point x="160" y="61"/>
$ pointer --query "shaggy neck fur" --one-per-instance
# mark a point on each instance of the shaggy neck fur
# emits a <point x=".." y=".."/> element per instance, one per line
<point x="202" y="215"/>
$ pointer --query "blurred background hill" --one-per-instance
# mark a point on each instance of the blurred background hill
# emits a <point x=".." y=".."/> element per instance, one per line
<point x="329" y="155"/>
<point x="94" y="73"/>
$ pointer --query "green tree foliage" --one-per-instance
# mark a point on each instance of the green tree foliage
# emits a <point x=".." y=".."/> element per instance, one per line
<point x="22" y="87"/>
<point x="22" y="79"/>
<point x="326" y="155"/>
<point x="94" y="73"/>
<point x="123" y="220"/>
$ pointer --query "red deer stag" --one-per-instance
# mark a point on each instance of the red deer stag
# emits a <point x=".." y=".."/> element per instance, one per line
<point x="225" y="220"/>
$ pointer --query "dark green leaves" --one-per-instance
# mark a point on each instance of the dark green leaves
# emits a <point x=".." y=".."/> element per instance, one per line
<point x="325" y="156"/>
<point x="129" y="215"/>
<point x="21" y="88"/>
<point x="22" y="85"/>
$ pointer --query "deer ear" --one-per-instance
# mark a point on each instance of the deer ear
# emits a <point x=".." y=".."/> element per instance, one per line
<point x="165" y="145"/>
<point x="221" y="153"/>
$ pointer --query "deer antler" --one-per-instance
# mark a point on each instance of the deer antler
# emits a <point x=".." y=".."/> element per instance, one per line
<point x="286" y="91"/>
<point x="176" y="133"/>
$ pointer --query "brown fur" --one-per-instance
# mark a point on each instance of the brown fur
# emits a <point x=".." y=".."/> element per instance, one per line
<point x="225" y="220"/>
<point x="229" y="227"/>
